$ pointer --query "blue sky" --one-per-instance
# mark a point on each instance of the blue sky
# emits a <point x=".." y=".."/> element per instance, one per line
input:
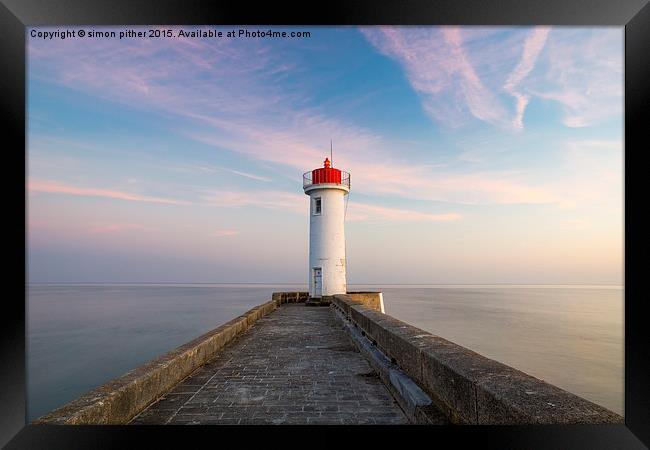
<point x="477" y="155"/>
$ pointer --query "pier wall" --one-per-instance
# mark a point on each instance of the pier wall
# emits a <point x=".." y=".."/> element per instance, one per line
<point x="119" y="400"/>
<point x="466" y="386"/>
<point x="290" y="297"/>
<point x="373" y="300"/>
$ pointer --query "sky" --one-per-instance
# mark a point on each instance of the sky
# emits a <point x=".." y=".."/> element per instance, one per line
<point x="478" y="155"/>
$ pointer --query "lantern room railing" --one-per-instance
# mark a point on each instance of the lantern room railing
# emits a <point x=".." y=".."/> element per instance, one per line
<point x="307" y="179"/>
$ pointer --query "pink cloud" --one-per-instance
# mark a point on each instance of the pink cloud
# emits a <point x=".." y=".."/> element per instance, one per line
<point x="498" y="187"/>
<point x="223" y="101"/>
<point x="375" y="173"/>
<point x="111" y="228"/>
<point x="276" y="200"/>
<point x="54" y="187"/>
<point x="365" y="212"/>
<point x="225" y="232"/>
<point x="172" y="75"/>
<point x="297" y="203"/>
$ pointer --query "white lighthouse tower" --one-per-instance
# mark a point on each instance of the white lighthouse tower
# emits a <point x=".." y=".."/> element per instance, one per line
<point x="327" y="188"/>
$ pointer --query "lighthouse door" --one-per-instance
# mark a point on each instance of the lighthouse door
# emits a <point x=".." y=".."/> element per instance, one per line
<point x="318" y="282"/>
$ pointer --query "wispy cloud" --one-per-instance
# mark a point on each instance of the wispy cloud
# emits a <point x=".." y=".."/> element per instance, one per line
<point x="55" y="187"/>
<point x="481" y="102"/>
<point x="225" y="232"/>
<point x="532" y="47"/>
<point x="580" y="69"/>
<point x="216" y="169"/>
<point x="366" y="212"/>
<point x="223" y="97"/>
<point x="375" y="171"/>
<point x="297" y="203"/>
<point x="111" y="228"/>
<point x="260" y="110"/>
<point x="248" y="175"/>
<point x="174" y="75"/>
<point x="275" y="200"/>
<point x="265" y="199"/>
<point x="299" y="141"/>
<point x="451" y="186"/>
<point x="439" y="68"/>
<point x="585" y="75"/>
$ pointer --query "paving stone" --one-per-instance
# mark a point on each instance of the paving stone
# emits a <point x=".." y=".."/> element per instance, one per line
<point x="294" y="366"/>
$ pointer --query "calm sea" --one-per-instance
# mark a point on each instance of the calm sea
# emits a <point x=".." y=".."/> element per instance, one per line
<point x="80" y="336"/>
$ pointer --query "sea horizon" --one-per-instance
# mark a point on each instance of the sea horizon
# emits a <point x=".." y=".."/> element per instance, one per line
<point x="261" y="283"/>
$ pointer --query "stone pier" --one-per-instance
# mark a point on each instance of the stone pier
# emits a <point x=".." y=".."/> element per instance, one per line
<point x="294" y="366"/>
<point x="344" y="363"/>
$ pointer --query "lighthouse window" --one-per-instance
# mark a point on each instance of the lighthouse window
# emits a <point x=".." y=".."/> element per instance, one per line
<point x="317" y="206"/>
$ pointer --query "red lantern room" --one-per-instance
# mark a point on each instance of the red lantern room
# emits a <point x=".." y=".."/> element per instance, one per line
<point x="326" y="175"/>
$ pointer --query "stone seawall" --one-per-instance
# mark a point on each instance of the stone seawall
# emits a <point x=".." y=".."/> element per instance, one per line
<point x="467" y="387"/>
<point x="373" y="300"/>
<point x="119" y="400"/>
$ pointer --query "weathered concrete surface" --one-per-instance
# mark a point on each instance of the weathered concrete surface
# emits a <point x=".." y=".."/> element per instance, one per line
<point x="119" y="400"/>
<point x="467" y="387"/>
<point x="295" y="366"/>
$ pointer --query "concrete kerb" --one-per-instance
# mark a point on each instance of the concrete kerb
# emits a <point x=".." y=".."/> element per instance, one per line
<point x="121" y="399"/>
<point x="468" y="387"/>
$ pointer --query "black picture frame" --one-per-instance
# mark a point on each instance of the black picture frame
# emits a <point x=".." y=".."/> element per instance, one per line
<point x="16" y="15"/>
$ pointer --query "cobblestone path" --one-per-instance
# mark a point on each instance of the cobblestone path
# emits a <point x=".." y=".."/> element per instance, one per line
<point x="294" y="366"/>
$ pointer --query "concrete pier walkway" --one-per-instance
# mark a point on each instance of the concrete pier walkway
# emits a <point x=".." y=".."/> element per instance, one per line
<point x="296" y="365"/>
<point x="283" y="362"/>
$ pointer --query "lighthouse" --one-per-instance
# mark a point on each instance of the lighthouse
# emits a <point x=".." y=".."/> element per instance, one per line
<point x="327" y="188"/>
